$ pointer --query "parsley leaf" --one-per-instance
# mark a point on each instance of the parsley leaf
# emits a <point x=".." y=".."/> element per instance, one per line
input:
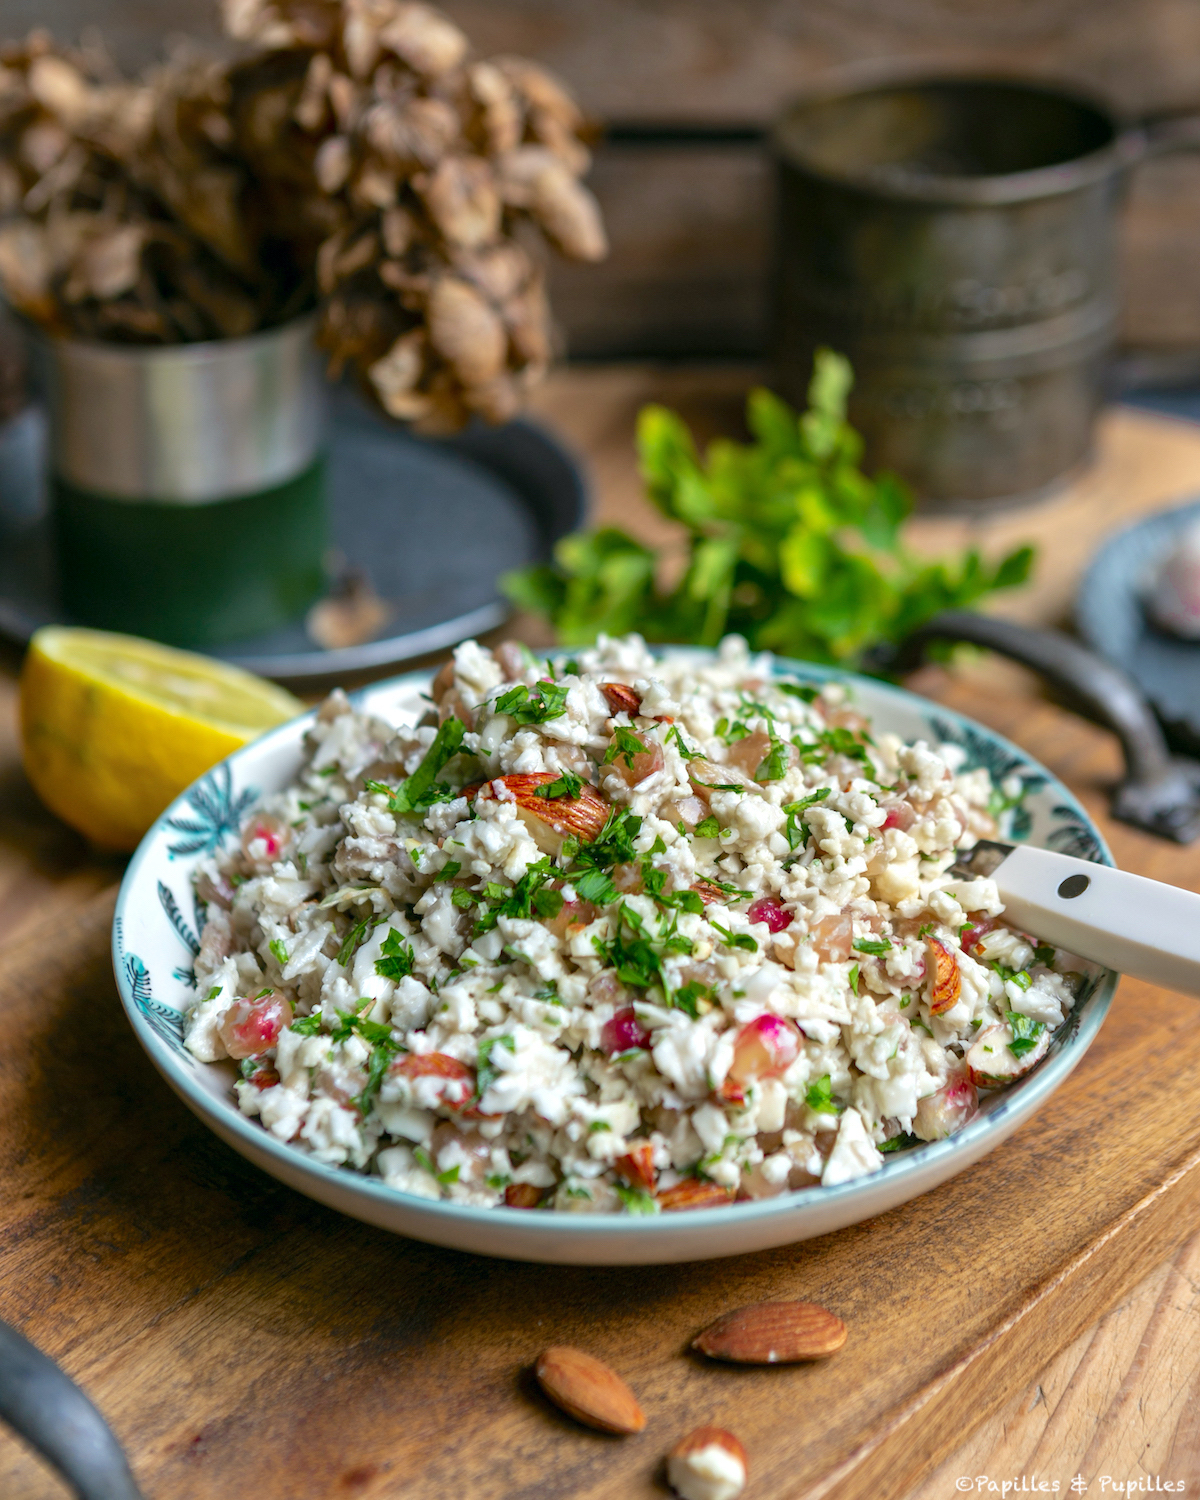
<point x="1026" y="1032"/>
<point x="278" y="952"/>
<point x="420" y="791"/>
<point x="872" y="945"/>
<point x="625" y="745"/>
<point x="486" y="1071"/>
<point x="852" y="977"/>
<point x="819" y="1097"/>
<point x="799" y="690"/>
<point x="684" y="749"/>
<point x="449" y="870"/>
<point x="708" y="828"/>
<point x="396" y="957"/>
<point x="567" y="785"/>
<point x="549" y="701"/>
<point x="901" y="1142"/>
<point x="355" y="938"/>
<point x="741" y="940"/>
<point x="636" y="1200"/>
<point x="774" y="765"/>
<point x="594" y="886"/>
<point x="307" y="1025"/>
<point x="794" y="809"/>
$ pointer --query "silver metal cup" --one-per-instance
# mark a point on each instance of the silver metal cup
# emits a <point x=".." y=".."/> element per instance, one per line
<point x="184" y="424"/>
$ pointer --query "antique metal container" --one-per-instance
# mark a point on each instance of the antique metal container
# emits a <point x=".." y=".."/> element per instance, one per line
<point x="187" y="482"/>
<point x="956" y="238"/>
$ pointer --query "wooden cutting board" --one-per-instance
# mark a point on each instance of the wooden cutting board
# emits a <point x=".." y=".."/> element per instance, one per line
<point x="245" y="1341"/>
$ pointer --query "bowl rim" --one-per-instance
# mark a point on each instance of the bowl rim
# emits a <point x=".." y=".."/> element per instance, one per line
<point x="1031" y="1091"/>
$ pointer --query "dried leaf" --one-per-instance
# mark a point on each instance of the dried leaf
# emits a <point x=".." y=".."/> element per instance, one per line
<point x="465" y="331"/>
<point x="425" y="39"/>
<point x="462" y="200"/>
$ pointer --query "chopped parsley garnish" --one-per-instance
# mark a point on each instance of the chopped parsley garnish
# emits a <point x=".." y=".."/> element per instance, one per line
<point x="833" y="741"/>
<point x="819" y="1097"/>
<point x="926" y="928"/>
<point x="872" y="945"/>
<point x="567" y="785"/>
<point x="1044" y="954"/>
<point x="901" y="1142"/>
<point x="396" y="957"/>
<point x="773" y="766"/>
<point x="598" y="1125"/>
<point x="449" y="1176"/>
<point x="548" y="993"/>
<point x="798" y="690"/>
<point x="625" y="745"/>
<point x="719" y="786"/>
<point x="278" y="952"/>
<point x="449" y="870"/>
<point x="1026" y="1032"/>
<point x="548" y="701"/>
<point x="708" y="828"/>
<point x="487" y="1072"/>
<point x="424" y="1160"/>
<point x="594" y="886"/>
<point x="852" y="977"/>
<point x="732" y="733"/>
<point x="794" y="809"/>
<point x="530" y="897"/>
<point x="1019" y="977"/>
<point x="741" y="940"/>
<point x="214" y="992"/>
<point x="688" y="996"/>
<point x="498" y="1180"/>
<point x="307" y="1025"/>
<point x="420" y="791"/>
<point x="636" y="1200"/>
<point x="464" y="900"/>
<point x="684" y="749"/>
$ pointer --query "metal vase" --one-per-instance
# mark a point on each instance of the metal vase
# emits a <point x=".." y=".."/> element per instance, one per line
<point x="956" y="238"/>
<point x="187" y="482"/>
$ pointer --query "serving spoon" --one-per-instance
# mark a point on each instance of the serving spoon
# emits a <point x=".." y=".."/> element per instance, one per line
<point x="1125" y="922"/>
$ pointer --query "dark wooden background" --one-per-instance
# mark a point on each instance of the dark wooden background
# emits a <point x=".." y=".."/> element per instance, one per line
<point x="690" y="222"/>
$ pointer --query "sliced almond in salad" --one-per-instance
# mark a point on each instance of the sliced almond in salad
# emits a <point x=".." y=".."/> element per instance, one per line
<point x="945" y="980"/>
<point x="693" y="1192"/>
<point x="588" y="1390"/>
<point x="621" y="699"/>
<point x="773" y="1333"/>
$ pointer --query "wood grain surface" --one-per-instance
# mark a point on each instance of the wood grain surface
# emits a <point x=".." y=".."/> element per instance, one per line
<point x="243" y="1340"/>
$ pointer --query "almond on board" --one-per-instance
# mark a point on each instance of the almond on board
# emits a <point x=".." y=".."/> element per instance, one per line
<point x="588" y="1390"/>
<point x="773" y="1333"/>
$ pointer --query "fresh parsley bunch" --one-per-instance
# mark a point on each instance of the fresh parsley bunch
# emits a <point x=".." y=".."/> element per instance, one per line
<point x="790" y="544"/>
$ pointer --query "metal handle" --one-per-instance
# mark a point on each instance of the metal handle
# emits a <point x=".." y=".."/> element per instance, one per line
<point x="1158" y="794"/>
<point x="43" y="1405"/>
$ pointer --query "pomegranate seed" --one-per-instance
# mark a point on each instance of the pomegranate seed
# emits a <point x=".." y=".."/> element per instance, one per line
<point x="253" y="1026"/>
<point x="624" y="1032"/>
<point x="767" y="909"/>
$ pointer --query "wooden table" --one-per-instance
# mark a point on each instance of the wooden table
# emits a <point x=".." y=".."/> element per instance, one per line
<point x="1118" y="1400"/>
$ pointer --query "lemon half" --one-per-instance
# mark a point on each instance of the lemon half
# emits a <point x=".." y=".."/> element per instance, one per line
<point x="113" y="728"/>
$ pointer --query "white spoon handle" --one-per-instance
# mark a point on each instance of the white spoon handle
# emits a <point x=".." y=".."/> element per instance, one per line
<point x="1126" y="922"/>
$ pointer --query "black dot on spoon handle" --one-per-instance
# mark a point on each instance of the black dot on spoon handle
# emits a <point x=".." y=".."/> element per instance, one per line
<point x="1073" y="885"/>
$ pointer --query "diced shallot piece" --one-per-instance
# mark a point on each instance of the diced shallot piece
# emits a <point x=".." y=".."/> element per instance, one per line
<point x="624" y="1032"/>
<point x="264" y="838"/>
<point x="969" y="937"/>
<point x="945" y="981"/>
<point x="900" y="815"/>
<point x="253" y="1025"/>
<point x="635" y="767"/>
<point x="942" y="1113"/>
<point x="765" y="1047"/>
<point x="767" y="909"/>
<point x="832" y="938"/>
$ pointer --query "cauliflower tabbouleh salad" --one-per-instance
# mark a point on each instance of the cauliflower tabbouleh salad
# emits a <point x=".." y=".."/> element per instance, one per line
<point x="616" y="933"/>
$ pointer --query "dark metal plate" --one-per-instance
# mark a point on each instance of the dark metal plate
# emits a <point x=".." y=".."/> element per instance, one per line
<point x="1113" y="621"/>
<point x="432" y="523"/>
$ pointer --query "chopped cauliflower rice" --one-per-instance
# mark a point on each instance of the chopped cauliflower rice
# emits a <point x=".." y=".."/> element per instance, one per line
<point x="616" y="934"/>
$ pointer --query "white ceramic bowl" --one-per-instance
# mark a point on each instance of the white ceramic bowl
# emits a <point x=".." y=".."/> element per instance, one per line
<point x="155" y="939"/>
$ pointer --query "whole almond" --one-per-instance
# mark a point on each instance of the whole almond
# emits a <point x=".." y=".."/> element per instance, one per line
<point x="588" y="1390"/>
<point x="550" y="819"/>
<point x="693" y="1192"/>
<point x="621" y="698"/>
<point x="773" y="1333"/>
<point x="708" y="1464"/>
<point x="945" y="980"/>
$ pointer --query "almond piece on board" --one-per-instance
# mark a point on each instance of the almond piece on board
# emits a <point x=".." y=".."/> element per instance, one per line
<point x="708" y="1464"/>
<point x="773" y="1333"/>
<point x="588" y="1390"/>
